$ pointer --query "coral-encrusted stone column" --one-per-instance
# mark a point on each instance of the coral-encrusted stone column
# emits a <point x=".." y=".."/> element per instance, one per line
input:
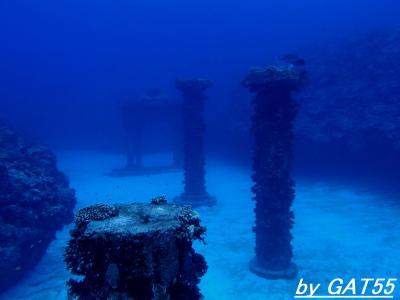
<point x="195" y="193"/>
<point x="272" y="127"/>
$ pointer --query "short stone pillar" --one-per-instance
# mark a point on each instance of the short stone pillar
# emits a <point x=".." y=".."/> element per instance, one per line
<point x="195" y="192"/>
<point x="272" y="127"/>
<point x="135" y="251"/>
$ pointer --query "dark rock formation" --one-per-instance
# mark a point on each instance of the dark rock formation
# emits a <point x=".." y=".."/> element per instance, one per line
<point x="35" y="202"/>
<point x="273" y="117"/>
<point x="136" y="251"/>
<point x="195" y="193"/>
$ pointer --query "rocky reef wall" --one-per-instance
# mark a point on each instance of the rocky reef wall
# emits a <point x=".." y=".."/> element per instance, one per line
<point x="348" y="111"/>
<point x="35" y="202"/>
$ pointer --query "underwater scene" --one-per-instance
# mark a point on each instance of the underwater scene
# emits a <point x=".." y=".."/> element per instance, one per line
<point x="183" y="150"/>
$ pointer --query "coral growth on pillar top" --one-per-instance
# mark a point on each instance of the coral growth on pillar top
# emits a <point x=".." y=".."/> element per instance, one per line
<point x="135" y="251"/>
<point x="193" y="86"/>
<point x="195" y="192"/>
<point x="274" y="190"/>
<point x="287" y="74"/>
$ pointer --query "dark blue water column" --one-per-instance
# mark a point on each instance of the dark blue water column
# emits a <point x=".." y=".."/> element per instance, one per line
<point x="274" y="189"/>
<point x="193" y="93"/>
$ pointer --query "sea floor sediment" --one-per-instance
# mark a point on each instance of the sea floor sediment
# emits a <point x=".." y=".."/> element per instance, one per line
<point x="339" y="231"/>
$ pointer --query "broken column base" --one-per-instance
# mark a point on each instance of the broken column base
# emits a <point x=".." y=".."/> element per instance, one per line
<point x="259" y="270"/>
<point x="135" y="251"/>
<point x="196" y="200"/>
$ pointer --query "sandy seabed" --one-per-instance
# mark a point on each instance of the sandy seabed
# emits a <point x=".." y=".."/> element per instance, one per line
<point x="338" y="232"/>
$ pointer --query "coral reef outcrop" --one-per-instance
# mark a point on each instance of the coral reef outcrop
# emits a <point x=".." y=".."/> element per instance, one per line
<point x="354" y="89"/>
<point x="35" y="202"/>
<point x="135" y="251"/>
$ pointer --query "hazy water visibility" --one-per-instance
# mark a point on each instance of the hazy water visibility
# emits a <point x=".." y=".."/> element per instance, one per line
<point x="66" y="67"/>
<point x="74" y="60"/>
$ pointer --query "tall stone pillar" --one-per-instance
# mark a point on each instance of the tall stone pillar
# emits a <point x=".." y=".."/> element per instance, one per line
<point x="193" y="93"/>
<point x="274" y="189"/>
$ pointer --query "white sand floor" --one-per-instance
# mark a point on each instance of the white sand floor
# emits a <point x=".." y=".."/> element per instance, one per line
<point x="338" y="232"/>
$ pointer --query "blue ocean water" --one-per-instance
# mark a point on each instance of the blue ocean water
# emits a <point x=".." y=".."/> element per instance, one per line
<point x="69" y="67"/>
